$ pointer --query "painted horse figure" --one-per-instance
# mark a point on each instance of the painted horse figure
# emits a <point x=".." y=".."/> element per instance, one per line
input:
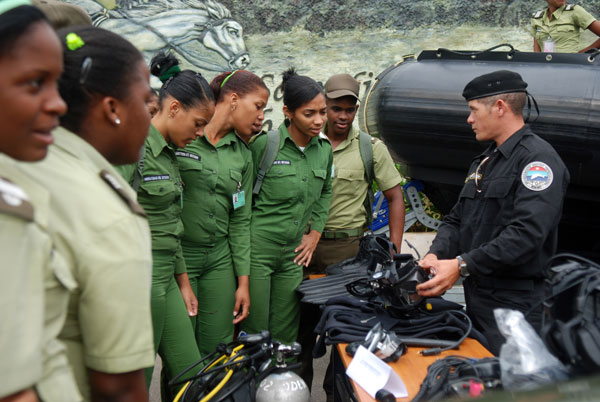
<point x="175" y="24"/>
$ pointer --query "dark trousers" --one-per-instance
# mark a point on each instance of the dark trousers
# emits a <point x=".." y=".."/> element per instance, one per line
<point x="328" y="252"/>
<point x="481" y="302"/>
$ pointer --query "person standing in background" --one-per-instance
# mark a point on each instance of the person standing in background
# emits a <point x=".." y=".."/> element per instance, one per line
<point x="558" y="28"/>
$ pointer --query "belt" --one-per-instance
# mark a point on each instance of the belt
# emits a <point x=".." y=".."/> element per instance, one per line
<point x="342" y="233"/>
<point x="508" y="283"/>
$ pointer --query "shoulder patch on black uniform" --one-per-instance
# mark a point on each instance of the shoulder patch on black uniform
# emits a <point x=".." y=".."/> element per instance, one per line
<point x="569" y="7"/>
<point x="538" y="14"/>
<point x="116" y="186"/>
<point x="14" y="201"/>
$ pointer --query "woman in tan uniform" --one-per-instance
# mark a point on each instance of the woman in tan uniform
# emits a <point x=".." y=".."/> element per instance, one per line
<point x="96" y="224"/>
<point x="32" y="297"/>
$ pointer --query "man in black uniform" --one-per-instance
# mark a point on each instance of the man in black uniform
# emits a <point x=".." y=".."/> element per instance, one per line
<point x="503" y="229"/>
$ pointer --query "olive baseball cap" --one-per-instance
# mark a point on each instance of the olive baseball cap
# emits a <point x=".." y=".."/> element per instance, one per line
<point x="341" y="85"/>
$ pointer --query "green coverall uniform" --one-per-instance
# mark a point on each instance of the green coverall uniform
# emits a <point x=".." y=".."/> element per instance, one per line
<point x="295" y="191"/>
<point x="159" y="193"/>
<point x="216" y="240"/>
<point x="100" y="230"/>
<point x="34" y="291"/>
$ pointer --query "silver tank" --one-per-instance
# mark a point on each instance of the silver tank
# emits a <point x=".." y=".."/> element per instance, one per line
<point x="283" y="387"/>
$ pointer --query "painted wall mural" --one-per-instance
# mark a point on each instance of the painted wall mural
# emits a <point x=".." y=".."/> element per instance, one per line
<point x="319" y="38"/>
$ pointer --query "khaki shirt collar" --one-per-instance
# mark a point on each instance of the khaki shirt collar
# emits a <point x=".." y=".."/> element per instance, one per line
<point x="286" y="136"/>
<point x="556" y="14"/>
<point x="77" y="146"/>
<point x="352" y="135"/>
<point x="156" y="141"/>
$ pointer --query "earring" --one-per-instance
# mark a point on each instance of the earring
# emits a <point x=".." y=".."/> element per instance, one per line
<point x="232" y="108"/>
<point x="117" y="121"/>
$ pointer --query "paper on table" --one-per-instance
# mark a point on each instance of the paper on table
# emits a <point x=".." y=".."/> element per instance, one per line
<point x="372" y="374"/>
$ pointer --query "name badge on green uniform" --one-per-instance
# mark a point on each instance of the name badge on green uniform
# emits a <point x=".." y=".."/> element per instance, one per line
<point x="239" y="199"/>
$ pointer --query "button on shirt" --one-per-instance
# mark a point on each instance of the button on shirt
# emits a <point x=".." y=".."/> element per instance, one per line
<point x="160" y="194"/>
<point x="564" y="28"/>
<point x="501" y="226"/>
<point x="349" y="183"/>
<point x="296" y="190"/>
<point x="212" y="174"/>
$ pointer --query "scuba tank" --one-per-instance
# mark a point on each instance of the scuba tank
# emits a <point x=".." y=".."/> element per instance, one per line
<point x="283" y="385"/>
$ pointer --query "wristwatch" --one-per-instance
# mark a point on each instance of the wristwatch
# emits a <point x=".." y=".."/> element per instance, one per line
<point x="462" y="267"/>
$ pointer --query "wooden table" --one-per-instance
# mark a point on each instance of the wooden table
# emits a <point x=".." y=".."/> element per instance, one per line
<point x="412" y="367"/>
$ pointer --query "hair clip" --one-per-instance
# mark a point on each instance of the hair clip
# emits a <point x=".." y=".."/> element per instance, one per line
<point x="227" y="78"/>
<point x="74" y="41"/>
<point x="86" y="66"/>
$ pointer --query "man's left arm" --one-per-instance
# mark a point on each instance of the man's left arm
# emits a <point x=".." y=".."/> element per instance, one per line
<point x="395" y="199"/>
<point x="585" y="20"/>
<point x="389" y="182"/>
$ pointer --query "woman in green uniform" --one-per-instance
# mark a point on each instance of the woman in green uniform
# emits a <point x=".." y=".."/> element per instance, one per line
<point x="217" y="174"/>
<point x="290" y="211"/>
<point x="95" y="222"/>
<point x="32" y="299"/>
<point x="186" y="104"/>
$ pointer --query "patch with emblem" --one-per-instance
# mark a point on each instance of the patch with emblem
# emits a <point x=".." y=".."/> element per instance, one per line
<point x="282" y="162"/>
<point x="189" y="155"/>
<point x="537" y="176"/>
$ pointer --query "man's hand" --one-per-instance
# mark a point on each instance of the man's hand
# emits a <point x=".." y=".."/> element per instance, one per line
<point x="242" y="299"/>
<point x="307" y="248"/>
<point x="446" y="274"/>
<point x="429" y="261"/>
<point x="189" y="298"/>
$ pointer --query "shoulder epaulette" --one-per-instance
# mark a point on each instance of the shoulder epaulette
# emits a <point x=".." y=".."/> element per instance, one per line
<point x="116" y="186"/>
<point x="14" y="201"/>
<point x="538" y="14"/>
<point x="569" y="7"/>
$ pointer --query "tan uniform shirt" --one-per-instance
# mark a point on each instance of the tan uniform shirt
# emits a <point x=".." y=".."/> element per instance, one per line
<point x="34" y="292"/>
<point x="94" y="224"/>
<point x="349" y="183"/>
<point x="564" y="28"/>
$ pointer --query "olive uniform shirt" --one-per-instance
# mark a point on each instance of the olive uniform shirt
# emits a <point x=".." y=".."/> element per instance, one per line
<point x="296" y="190"/>
<point x="212" y="174"/>
<point x="34" y="292"/>
<point x="507" y="227"/>
<point x="349" y="183"/>
<point x="101" y="231"/>
<point x="160" y="194"/>
<point x="563" y="29"/>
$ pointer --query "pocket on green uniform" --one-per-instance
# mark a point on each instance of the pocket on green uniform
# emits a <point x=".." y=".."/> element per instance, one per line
<point x="161" y="193"/>
<point x="281" y="183"/>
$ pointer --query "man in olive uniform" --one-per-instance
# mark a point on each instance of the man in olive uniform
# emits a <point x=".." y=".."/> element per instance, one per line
<point x="557" y="28"/>
<point x="348" y="217"/>
<point x="502" y="231"/>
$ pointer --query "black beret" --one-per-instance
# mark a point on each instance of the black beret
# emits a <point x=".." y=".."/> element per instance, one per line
<point x="498" y="82"/>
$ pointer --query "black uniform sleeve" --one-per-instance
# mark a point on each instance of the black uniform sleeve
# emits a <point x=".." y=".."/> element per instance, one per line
<point x="527" y="225"/>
